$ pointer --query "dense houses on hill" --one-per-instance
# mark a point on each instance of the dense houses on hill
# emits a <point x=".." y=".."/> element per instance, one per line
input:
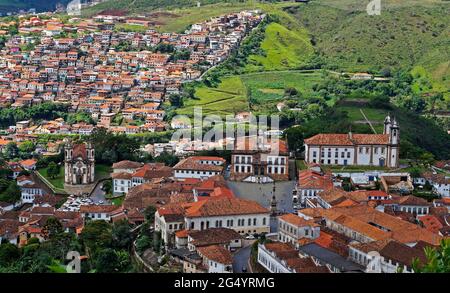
<point x="107" y="73"/>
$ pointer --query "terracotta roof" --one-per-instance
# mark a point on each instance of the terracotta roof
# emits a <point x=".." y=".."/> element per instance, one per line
<point x="149" y="171"/>
<point x="308" y="179"/>
<point x="121" y="175"/>
<point x="297" y="221"/>
<point x="97" y="208"/>
<point x="126" y="165"/>
<point x="79" y="150"/>
<point x="363" y="219"/>
<point x="216" y="253"/>
<point x="213" y="236"/>
<point x="215" y="207"/>
<point x="431" y="223"/>
<point x="191" y="163"/>
<point x="28" y="163"/>
<point x="334" y="139"/>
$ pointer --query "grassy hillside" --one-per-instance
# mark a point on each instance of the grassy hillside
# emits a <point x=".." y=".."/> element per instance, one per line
<point x="415" y="131"/>
<point x="283" y="48"/>
<point x="405" y="35"/>
<point x="228" y="98"/>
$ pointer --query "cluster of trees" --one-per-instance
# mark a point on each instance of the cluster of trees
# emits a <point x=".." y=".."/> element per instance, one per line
<point x="107" y="247"/>
<point x="237" y="60"/>
<point x="9" y="191"/>
<point x="110" y="148"/>
<point x="48" y="111"/>
<point x="24" y="150"/>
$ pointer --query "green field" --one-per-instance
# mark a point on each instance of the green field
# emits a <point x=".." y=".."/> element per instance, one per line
<point x="375" y="116"/>
<point x="58" y="181"/>
<point x="405" y="35"/>
<point x="259" y="90"/>
<point x="283" y="48"/>
<point x="228" y="98"/>
<point x="101" y="171"/>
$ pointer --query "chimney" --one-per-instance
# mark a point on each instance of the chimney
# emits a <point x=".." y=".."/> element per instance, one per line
<point x="350" y="135"/>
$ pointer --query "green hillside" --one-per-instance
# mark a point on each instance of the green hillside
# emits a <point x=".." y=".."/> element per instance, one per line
<point x="405" y="35"/>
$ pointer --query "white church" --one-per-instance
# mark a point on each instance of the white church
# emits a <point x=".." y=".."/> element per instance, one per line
<point x="356" y="149"/>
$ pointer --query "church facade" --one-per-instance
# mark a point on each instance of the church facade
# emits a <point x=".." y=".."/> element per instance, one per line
<point x="356" y="149"/>
<point x="79" y="163"/>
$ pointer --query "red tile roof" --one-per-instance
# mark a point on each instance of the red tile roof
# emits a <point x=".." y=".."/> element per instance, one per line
<point x="216" y="253"/>
<point x="334" y="139"/>
<point x="224" y="207"/>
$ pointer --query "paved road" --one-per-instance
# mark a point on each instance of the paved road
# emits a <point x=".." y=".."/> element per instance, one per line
<point x="99" y="195"/>
<point x="262" y="193"/>
<point x="240" y="259"/>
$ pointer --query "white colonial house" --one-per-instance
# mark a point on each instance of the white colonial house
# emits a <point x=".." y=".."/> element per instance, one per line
<point x="200" y="167"/>
<point x="29" y="189"/>
<point x="128" y="174"/>
<point x="292" y="228"/>
<point x="243" y="216"/>
<point x="98" y="212"/>
<point x="356" y="149"/>
<point x="217" y="258"/>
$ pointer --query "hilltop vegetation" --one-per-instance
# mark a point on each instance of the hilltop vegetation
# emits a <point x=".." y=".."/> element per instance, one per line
<point x="405" y="35"/>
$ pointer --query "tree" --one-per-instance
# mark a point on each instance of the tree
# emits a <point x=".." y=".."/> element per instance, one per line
<point x="295" y="138"/>
<point x="144" y="242"/>
<point x="27" y="147"/>
<point x="176" y="100"/>
<point x="96" y="235"/>
<point x="121" y="235"/>
<point x="168" y="159"/>
<point x="52" y="170"/>
<point x="107" y="261"/>
<point x="11" y="150"/>
<point x="427" y="158"/>
<point x="12" y="194"/>
<point x="52" y="228"/>
<point x="107" y="186"/>
<point x="8" y="253"/>
<point x="438" y="259"/>
<point x="149" y="214"/>
<point x="290" y="91"/>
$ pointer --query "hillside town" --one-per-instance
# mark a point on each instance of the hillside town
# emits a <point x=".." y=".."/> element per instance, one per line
<point x="88" y="163"/>
<point x="120" y="79"/>
<point x="208" y="219"/>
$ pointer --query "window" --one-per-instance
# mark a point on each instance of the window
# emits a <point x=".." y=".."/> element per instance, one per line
<point x="254" y="222"/>
<point x="314" y="154"/>
<point x="375" y="150"/>
<point x="249" y="222"/>
<point x="264" y="221"/>
<point x="360" y="150"/>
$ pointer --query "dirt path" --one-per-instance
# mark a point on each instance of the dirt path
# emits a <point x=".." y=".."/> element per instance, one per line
<point x="368" y="122"/>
